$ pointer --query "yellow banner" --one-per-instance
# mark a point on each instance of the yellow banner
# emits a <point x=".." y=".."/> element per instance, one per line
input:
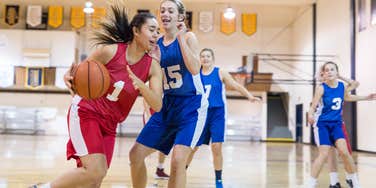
<point x="11" y="14"/>
<point x="249" y="24"/>
<point x="98" y="14"/>
<point x="55" y="16"/>
<point x="77" y="17"/>
<point x="228" y="26"/>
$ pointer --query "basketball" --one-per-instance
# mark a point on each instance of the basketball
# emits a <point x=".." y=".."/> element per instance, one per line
<point x="90" y="79"/>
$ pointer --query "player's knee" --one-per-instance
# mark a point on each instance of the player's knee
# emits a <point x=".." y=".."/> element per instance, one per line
<point x="96" y="174"/>
<point x="178" y="160"/>
<point x="135" y="156"/>
<point x="343" y="152"/>
<point x="217" y="149"/>
<point x="324" y="154"/>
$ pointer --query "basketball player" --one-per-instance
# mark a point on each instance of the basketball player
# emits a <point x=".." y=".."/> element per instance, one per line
<point x="179" y="124"/>
<point x="214" y="80"/>
<point x="332" y="157"/>
<point x="159" y="173"/>
<point x="332" y="93"/>
<point x="92" y="123"/>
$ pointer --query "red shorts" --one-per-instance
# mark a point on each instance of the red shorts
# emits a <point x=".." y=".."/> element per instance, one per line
<point x="346" y="137"/>
<point x="87" y="136"/>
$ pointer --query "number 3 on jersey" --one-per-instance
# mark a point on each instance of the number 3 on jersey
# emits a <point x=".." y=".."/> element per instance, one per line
<point x="338" y="103"/>
<point x="175" y="79"/>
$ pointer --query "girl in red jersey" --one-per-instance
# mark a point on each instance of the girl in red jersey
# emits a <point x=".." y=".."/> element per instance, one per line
<point x="92" y="123"/>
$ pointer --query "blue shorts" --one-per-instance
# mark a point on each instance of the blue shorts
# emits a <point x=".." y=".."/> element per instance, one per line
<point x="214" y="127"/>
<point x="328" y="132"/>
<point x="180" y="121"/>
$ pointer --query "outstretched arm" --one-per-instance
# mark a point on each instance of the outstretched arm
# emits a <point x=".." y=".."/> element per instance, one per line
<point x="231" y="83"/>
<point x="353" y="98"/>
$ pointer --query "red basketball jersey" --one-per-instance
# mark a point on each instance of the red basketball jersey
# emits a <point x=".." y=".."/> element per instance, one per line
<point x="114" y="106"/>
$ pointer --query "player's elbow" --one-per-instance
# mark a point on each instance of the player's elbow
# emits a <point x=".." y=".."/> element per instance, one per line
<point x="356" y="84"/>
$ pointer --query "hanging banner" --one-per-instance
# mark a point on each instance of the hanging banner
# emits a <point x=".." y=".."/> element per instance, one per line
<point x="34" y="77"/>
<point x="98" y="14"/>
<point x="34" y="15"/>
<point x="228" y="26"/>
<point x="77" y="19"/>
<point x="206" y="21"/>
<point x="55" y="16"/>
<point x="11" y="14"/>
<point x="249" y="24"/>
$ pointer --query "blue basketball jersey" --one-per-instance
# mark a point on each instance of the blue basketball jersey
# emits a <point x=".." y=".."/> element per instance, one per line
<point x="332" y="101"/>
<point x="178" y="81"/>
<point x="214" y="88"/>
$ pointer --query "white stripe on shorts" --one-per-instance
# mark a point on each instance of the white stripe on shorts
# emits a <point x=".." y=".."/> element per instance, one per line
<point x="202" y="111"/>
<point x="75" y="129"/>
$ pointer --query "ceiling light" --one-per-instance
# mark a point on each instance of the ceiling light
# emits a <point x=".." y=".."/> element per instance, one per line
<point x="88" y="7"/>
<point x="229" y="13"/>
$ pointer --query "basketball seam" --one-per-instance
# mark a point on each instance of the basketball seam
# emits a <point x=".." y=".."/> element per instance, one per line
<point x="102" y="77"/>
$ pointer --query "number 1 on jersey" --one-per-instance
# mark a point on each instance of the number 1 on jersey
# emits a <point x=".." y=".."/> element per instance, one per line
<point x="119" y="85"/>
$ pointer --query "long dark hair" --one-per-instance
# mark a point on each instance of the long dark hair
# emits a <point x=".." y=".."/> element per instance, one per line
<point x="117" y="28"/>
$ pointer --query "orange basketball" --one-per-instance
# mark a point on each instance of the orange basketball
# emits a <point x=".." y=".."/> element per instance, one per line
<point x="90" y="79"/>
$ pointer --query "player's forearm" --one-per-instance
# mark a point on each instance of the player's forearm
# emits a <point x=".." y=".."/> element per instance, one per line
<point x="191" y="60"/>
<point x="353" y="98"/>
<point x="153" y="99"/>
<point x="242" y="90"/>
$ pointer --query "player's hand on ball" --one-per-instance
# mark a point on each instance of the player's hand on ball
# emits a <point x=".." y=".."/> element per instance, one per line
<point x="68" y="78"/>
<point x="137" y="83"/>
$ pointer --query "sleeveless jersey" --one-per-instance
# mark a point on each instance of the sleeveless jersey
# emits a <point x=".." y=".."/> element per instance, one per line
<point x="332" y="101"/>
<point x="177" y="81"/>
<point x="214" y="88"/>
<point x="115" y="105"/>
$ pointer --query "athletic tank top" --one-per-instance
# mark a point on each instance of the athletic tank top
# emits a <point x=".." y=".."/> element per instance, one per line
<point x="332" y="101"/>
<point x="177" y="80"/>
<point x="115" y="105"/>
<point x="214" y="88"/>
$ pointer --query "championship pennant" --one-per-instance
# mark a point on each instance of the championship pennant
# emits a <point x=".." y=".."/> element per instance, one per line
<point x="249" y="24"/>
<point x="34" y="15"/>
<point x="55" y="16"/>
<point x="228" y="26"/>
<point x="206" y="21"/>
<point x="98" y="14"/>
<point x="11" y="14"/>
<point x="77" y="17"/>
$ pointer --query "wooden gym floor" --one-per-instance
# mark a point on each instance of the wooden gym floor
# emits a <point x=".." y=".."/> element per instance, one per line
<point x="31" y="159"/>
